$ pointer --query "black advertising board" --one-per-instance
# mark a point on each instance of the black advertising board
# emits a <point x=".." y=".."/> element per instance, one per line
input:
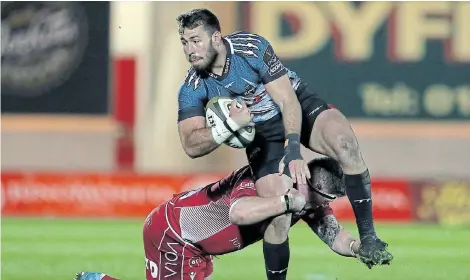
<point x="55" y="57"/>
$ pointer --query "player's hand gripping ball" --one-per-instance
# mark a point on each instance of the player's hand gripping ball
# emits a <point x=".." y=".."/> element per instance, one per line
<point x="373" y="251"/>
<point x="219" y="109"/>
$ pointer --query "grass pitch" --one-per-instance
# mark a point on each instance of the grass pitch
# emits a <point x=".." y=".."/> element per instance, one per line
<point x="46" y="249"/>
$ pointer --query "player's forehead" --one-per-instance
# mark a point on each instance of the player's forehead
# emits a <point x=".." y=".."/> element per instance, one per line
<point x="188" y="33"/>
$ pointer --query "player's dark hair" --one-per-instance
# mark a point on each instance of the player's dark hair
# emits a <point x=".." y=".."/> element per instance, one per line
<point x="327" y="176"/>
<point x="196" y="17"/>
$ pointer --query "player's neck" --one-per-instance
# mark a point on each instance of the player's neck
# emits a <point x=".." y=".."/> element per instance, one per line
<point x="219" y="63"/>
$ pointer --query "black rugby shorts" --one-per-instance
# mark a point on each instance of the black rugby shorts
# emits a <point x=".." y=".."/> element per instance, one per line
<point x="267" y="149"/>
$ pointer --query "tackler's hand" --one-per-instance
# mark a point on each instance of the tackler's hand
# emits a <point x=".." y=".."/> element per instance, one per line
<point x="296" y="200"/>
<point x="241" y="114"/>
<point x="297" y="167"/>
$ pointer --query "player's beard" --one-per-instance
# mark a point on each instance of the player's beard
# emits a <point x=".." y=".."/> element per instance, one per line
<point x="209" y="60"/>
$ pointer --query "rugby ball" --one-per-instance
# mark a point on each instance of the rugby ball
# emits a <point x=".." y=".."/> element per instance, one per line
<point x="217" y="111"/>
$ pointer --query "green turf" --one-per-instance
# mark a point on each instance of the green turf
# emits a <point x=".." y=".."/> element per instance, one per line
<point x="56" y="249"/>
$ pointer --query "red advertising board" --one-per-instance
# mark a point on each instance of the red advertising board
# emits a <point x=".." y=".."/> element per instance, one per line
<point x="92" y="195"/>
<point x="134" y="195"/>
<point x="392" y="201"/>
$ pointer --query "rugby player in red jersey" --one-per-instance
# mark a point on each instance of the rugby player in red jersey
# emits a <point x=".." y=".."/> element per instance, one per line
<point x="182" y="234"/>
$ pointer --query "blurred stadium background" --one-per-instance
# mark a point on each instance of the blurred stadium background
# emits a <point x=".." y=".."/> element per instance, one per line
<point x="90" y="143"/>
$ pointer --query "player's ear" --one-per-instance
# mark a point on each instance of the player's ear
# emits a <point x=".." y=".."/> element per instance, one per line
<point x="217" y="37"/>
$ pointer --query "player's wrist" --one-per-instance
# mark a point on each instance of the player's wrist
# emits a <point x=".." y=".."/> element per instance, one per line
<point x="286" y="200"/>
<point x="295" y="137"/>
<point x="292" y="147"/>
<point x="292" y="139"/>
<point x="292" y="142"/>
<point x="351" y="248"/>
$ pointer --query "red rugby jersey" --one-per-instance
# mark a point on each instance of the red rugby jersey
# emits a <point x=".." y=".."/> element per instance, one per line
<point x="201" y="216"/>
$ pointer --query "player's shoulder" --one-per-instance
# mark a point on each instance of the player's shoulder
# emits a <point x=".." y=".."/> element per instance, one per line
<point x="247" y="37"/>
<point x="193" y="82"/>
<point x="248" y="45"/>
<point x="230" y="181"/>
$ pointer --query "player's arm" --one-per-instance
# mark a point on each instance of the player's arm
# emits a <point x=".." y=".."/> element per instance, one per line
<point x="253" y="209"/>
<point x="325" y="225"/>
<point x="247" y="208"/>
<point x="277" y="84"/>
<point x="196" y="138"/>
<point x="283" y="95"/>
<point x="346" y="244"/>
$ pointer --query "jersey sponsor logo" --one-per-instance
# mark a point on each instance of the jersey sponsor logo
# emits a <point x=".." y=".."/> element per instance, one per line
<point x="269" y="57"/>
<point x="271" y="60"/>
<point x="246" y="184"/>
<point x="227" y="65"/>
<point x="171" y="260"/>
<point x="195" y="262"/>
<point x="236" y="243"/>
<point x="152" y="267"/>
<point x="276" y="68"/>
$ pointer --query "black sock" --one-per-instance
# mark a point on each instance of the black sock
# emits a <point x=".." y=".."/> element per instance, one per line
<point x="276" y="259"/>
<point x="359" y="194"/>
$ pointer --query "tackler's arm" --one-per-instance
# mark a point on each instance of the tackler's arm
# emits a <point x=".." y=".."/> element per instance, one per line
<point x="253" y="209"/>
<point x="335" y="236"/>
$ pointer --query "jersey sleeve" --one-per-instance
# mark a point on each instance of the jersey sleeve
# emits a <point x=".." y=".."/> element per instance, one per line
<point x="264" y="60"/>
<point x="244" y="188"/>
<point x="191" y="98"/>
<point x="244" y="185"/>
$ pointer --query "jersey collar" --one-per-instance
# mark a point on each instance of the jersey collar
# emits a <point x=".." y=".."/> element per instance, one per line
<point x="228" y="61"/>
